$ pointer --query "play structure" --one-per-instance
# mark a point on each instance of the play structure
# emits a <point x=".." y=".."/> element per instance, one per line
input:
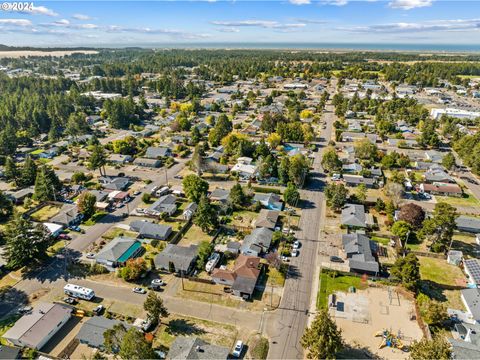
<point x="391" y="340"/>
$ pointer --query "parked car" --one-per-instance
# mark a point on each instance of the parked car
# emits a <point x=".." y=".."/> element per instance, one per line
<point x="296" y="244"/>
<point x="336" y="177"/>
<point x="64" y="237"/>
<point x="237" y="350"/>
<point x="90" y="256"/>
<point x="178" y="177"/>
<point x="158" y="282"/>
<point x="139" y="290"/>
<point x="336" y="259"/>
<point x="285" y="259"/>
<point x="294" y="253"/>
<point x="98" y="310"/>
<point x="70" y="300"/>
<point x="136" y="193"/>
<point x="24" y="310"/>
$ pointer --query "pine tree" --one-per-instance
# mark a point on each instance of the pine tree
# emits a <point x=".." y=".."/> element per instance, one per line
<point x="29" y="172"/>
<point x="6" y="206"/>
<point x="323" y="340"/>
<point x="47" y="184"/>
<point x="206" y="216"/>
<point x="155" y="308"/>
<point x="26" y="243"/>
<point x="11" y="171"/>
<point x="98" y="159"/>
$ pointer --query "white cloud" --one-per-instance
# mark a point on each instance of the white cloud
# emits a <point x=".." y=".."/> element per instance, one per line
<point x="266" y="24"/>
<point x="335" y="2"/>
<point x="81" y="17"/>
<point x="311" y="21"/>
<point x="300" y="2"/>
<point x="427" y="26"/>
<point x="16" y="22"/>
<point x="409" y="4"/>
<point x="86" y="26"/>
<point x="58" y="23"/>
<point x="177" y="34"/>
<point x="229" y="30"/>
<point x="39" y="10"/>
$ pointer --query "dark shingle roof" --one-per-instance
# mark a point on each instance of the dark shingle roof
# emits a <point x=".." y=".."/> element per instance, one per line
<point x="184" y="348"/>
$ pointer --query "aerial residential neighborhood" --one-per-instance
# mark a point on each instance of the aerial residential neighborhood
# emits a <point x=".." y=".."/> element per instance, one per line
<point x="210" y="201"/>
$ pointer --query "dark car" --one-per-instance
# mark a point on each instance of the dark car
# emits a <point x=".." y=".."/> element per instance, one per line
<point x="336" y="259"/>
<point x="98" y="310"/>
<point x="70" y="300"/>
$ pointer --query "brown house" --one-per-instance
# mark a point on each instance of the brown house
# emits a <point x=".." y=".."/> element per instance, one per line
<point x="243" y="278"/>
<point x="442" y="189"/>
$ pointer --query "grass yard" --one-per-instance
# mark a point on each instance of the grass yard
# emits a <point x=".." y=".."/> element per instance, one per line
<point x="212" y="332"/>
<point x="381" y="240"/>
<point x="6" y="324"/>
<point x="465" y="243"/>
<point x="194" y="235"/>
<point x="45" y="213"/>
<point x="466" y="200"/>
<point x="244" y="218"/>
<point x="330" y="284"/>
<point x="439" y="271"/>
<point x="57" y="247"/>
<point x="275" y="277"/>
<point x="115" y="231"/>
<point x="95" y="217"/>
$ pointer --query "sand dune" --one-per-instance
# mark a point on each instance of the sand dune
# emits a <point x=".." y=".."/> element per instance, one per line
<point x="20" y="53"/>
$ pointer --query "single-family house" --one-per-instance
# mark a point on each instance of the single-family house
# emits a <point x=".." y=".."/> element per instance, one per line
<point x="359" y="251"/>
<point x="437" y="174"/>
<point x="146" y="162"/>
<point x="220" y="195"/>
<point x="354" y="216"/>
<point x="67" y="216"/>
<point x="120" y="158"/>
<point x="20" y="195"/>
<point x="471" y="299"/>
<point x="244" y="171"/>
<point x="439" y="188"/>
<point x="114" y="183"/>
<point x="35" y="328"/>
<point x="165" y="204"/>
<point x="355" y="180"/>
<point x="243" y="278"/>
<point x="468" y="224"/>
<point x="258" y="242"/>
<point x="92" y="330"/>
<point x="465" y="343"/>
<point x="194" y="348"/>
<point x="189" y="211"/>
<point x="352" y="168"/>
<point x="267" y="219"/>
<point x="157" y="152"/>
<point x="271" y="201"/>
<point x="434" y="156"/>
<point x="149" y="230"/>
<point x="181" y="259"/>
<point x="118" y="251"/>
<point x="10" y="352"/>
<point x="348" y="136"/>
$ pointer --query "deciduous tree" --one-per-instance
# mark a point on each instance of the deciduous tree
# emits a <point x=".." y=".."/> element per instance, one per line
<point x="194" y="187"/>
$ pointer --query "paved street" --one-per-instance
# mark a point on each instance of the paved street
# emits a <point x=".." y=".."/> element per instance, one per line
<point x="54" y="272"/>
<point x="286" y="325"/>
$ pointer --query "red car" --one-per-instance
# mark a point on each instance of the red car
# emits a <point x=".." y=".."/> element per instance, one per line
<point x="64" y="237"/>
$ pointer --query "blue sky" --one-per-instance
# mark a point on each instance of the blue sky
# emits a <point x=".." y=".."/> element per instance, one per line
<point x="137" y="23"/>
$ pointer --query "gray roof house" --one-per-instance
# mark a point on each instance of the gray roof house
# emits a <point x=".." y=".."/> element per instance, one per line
<point x="91" y="332"/>
<point x="157" y="152"/>
<point x="355" y="180"/>
<point x="149" y="230"/>
<point x="270" y="201"/>
<point x="34" y="329"/>
<point x="189" y="211"/>
<point x="437" y="175"/>
<point x="353" y="215"/>
<point x="114" y="183"/>
<point x="219" y="194"/>
<point x="359" y="250"/>
<point x="118" y="251"/>
<point x="68" y="215"/>
<point x="468" y="224"/>
<point x="165" y="204"/>
<point x="267" y="219"/>
<point x="183" y="258"/>
<point x="146" y="162"/>
<point x="257" y="242"/>
<point x="471" y="299"/>
<point x="10" y="352"/>
<point x="185" y="348"/>
<point x="466" y="341"/>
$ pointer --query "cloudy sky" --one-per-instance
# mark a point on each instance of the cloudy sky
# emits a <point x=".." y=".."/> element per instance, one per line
<point x="137" y="23"/>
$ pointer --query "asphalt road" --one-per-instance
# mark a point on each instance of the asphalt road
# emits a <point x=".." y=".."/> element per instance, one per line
<point x="53" y="272"/>
<point x="285" y="326"/>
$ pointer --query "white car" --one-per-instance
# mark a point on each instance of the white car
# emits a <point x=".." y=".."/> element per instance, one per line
<point x="139" y="290"/>
<point x="294" y="253"/>
<point x="336" y="177"/>
<point x="284" y="259"/>
<point x="296" y="244"/>
<point x="90" y="256"/>
<point x="237" y="350"/>
<point x="158" y="282"/>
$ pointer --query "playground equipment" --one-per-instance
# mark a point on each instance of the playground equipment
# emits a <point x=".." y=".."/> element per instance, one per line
<point x="391" y="340"/>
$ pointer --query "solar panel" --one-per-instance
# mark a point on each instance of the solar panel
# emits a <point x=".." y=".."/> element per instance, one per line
<point x="473" y="267"/>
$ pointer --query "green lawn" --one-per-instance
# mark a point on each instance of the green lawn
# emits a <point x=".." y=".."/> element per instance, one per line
<point x="330" y="284"/>
<point x="243" y="218"/>
<point x="57" y="247"/>
<point x="36" y="152"/>
<point x="45" y="213"/>
<point x="95" y="217"/>
<point x="114" y="232"/>
<point x="439" y="271"/>
<point x="5" y="325"/>
<point x="381" y="240"/>
<point x="275" y="277"/>
<point x="194" y="235"/>
<point x="467" y="200"/>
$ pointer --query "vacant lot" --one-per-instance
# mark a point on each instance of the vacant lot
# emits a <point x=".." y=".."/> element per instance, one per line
<point x="244" y="218"/>
<point x="212" y="332"/>
<point x="467" y="200"/>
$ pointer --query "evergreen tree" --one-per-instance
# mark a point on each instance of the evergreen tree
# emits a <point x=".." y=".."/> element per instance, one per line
<point x="438" y="348"/>
<point x="47" y="184"/>
<point x="134" y="346"/>
<point x="155" y="308"/>
<point x="98" y="159"/>
<point x="206" y="216"/>
<point x="407" y="270"/>
<point x="6" y="207"/>
<point x="330" y="160"/>
<point x="194" y="187"/>
<point x="26" y="242"/>
<point x="237" y="196"/>
<point x="29" y="172"/>
<point x="291" y="194"/>
<point x="323" y="340"/>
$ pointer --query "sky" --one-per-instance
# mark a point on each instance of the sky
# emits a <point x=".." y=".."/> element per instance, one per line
<point x="142" y="23"/>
